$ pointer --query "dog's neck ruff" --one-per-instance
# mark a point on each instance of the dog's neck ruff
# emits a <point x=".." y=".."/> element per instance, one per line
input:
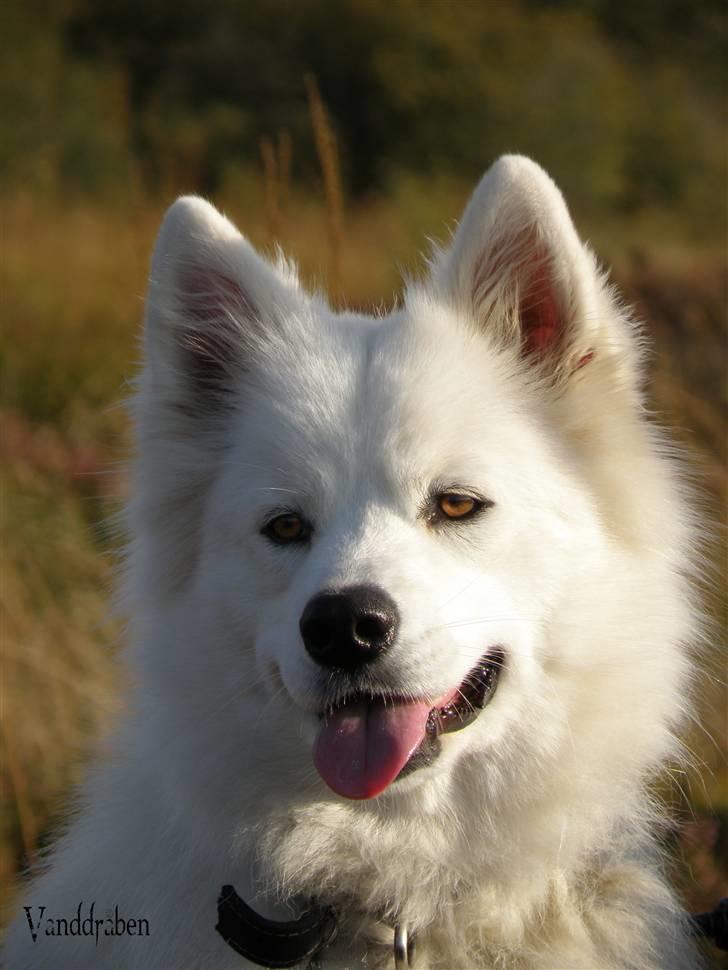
<point x="271" y="943"/>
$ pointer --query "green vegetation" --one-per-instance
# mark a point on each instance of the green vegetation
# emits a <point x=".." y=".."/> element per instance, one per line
<point x="622" y="103"/>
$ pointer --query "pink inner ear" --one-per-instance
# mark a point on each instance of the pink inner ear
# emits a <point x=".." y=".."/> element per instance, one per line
<point x="524" y="263"/>
<point x="217" y="310"/>
<point x="541" y="322"/>
<point x="208" y="296"/>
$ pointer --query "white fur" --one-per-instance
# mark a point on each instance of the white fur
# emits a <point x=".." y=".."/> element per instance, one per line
<point x="528" y="843"/>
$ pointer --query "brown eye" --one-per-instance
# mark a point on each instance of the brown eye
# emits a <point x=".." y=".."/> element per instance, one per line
<point x="287" y="528"/>
<point x="457" y="506"/>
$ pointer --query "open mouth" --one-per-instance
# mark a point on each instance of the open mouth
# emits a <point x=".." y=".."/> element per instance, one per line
<point x="367" y="742"/>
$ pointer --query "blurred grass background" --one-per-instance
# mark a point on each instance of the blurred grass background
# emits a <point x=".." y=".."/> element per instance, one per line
<point x="347" y="130"/>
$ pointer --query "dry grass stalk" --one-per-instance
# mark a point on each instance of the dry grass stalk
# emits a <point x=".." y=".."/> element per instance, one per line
<point x="19" y="797"/>
<point x="329" y="161"/>
<point x="270" y="180"/>
<point x="284" y="167"/>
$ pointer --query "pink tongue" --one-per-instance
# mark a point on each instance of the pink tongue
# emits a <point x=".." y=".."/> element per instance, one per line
<point x="363" y="746"/>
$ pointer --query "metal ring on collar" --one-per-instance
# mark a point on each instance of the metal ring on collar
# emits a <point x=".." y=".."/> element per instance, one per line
<point x="404" y="948"/>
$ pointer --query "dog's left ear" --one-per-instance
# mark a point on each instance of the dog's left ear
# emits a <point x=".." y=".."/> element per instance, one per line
<point x="518" y="269"/>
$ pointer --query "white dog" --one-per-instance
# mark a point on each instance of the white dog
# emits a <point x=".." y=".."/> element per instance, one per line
<point x="410" y="598"/>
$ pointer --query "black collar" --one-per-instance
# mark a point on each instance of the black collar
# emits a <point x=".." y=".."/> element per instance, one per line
<point x="271" y="943"/>
<point x="713" y="926"/>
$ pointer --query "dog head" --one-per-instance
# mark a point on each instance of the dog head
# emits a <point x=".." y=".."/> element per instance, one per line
<point x="387" y="552"/>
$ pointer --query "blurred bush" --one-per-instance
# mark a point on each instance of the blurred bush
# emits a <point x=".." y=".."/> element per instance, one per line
<point x="621" y="102"/>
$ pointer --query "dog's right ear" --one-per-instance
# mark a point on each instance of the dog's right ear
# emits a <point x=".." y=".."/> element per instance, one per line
<point x="211" y="299"/>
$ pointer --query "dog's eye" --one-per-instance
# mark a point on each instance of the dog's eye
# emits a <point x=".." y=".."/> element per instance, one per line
<point x="457" y="506"/>
<point x="287" y="528"/>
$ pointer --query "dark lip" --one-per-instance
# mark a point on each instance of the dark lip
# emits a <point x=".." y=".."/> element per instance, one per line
<point x="476" y="692"/>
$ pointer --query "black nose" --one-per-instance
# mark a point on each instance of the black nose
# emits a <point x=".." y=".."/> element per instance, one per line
<point x="349" y="628"/>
